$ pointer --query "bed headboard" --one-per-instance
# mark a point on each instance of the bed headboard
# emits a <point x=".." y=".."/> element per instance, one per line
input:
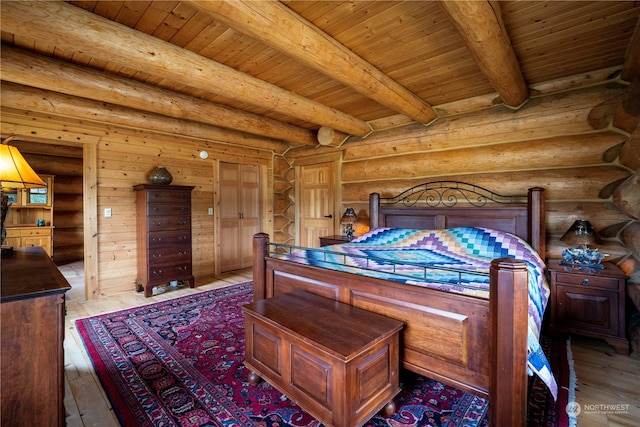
<point x="447" y="204"/>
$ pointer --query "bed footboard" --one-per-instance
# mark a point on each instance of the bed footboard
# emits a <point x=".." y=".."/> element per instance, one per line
<point x="470" y="343"/>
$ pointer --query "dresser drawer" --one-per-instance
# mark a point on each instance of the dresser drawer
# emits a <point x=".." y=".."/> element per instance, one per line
<point x="164" y="196"/>
<point x="169" y="255"/>
<point x="169" y="271"/>
<point x="171" y="222"/>
<point x="28" y="231"/>
<point x="156" y="209"/>
<point x="586" y="280"/>
<point x="160" y="239"/>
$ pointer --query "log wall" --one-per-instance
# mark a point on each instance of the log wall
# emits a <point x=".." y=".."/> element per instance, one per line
<point x="581" y="145"/>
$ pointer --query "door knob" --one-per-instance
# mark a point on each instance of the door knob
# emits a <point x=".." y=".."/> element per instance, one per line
<point x="328" y="216"/>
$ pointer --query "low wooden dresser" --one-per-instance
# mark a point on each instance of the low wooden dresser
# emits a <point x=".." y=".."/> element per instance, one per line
<point x="338" y="362"/>
<point x="164" y="235"/>
<point x="32" y="335"/>
<point x="589" y="301"/>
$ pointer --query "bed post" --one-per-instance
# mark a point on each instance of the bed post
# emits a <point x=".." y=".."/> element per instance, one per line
<point x="508" y="315"/>
<point x="374" y="202"/>
<point x="537" y="222"/>
<point x="260" y="252"/>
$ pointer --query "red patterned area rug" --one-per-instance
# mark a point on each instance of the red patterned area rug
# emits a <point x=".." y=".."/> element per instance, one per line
<point x="179" y="363"/>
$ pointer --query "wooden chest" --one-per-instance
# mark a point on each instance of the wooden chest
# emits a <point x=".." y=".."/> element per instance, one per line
<point x="164" y="235"/>
<point x="338" y="362"/>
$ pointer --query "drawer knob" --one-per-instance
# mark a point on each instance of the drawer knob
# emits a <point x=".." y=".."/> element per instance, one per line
<point x="585" y="281"/>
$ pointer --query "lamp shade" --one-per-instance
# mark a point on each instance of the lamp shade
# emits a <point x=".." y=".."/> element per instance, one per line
<point x="15" y="172"/>
<point x="349" y="217"/>
<point x="581" y="233"/>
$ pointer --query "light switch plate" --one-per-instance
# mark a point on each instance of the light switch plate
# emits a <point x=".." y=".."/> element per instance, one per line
<point x="107" y="212"/>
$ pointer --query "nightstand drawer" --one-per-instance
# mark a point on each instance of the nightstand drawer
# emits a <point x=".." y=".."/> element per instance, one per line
<point x="586" y="280"/>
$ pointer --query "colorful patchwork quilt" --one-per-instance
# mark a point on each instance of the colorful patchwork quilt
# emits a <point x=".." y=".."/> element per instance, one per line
<point x="453" y="260"/>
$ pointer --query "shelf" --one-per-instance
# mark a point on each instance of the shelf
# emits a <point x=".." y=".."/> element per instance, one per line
<point x="21" y="222"/>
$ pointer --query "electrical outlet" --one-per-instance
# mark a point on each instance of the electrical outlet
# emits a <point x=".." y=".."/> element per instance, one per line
<point x="107" y="212"/>
<point x="210" y="211"/>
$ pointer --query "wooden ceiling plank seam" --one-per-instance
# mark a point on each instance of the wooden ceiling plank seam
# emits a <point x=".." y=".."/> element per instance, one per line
<point x="203" y="42"/>
<point x="131" y="12"/>
<point x="327" y="12"/>
<point x="569" y="61"/>
<point x="108" y="9"/>
<point x="366" y="15"/>
<point x="174" y="22"/>
<point x="132" y="47"/>
<point x="573" y="36"/>
<point x="274" y="24"/>
<point x="190" y="30"/>
<point x="593" y="18"/>
<point x="158" y="13"/>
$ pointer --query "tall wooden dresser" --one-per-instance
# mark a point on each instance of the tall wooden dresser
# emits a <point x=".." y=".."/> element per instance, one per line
<point x="31" y="339"/>
<point x="164" y="235"/>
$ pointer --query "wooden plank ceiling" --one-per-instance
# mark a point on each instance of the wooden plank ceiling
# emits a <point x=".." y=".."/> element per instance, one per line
<point x="291" y="70"/>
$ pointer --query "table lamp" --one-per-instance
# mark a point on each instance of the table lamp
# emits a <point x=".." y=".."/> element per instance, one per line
<point x="15" y="172"/>
<point x="580" y="235"/>
<point x="349" y="218"/>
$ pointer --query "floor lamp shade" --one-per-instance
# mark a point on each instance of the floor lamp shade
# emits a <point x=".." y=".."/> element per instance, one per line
<point x="15" y="172"/>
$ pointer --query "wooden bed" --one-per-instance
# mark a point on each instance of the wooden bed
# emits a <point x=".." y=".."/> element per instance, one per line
<point x="474" y="344"/>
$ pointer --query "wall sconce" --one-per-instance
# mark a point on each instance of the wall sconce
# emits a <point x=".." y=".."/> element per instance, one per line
<point x="15" y="172"/>
<point x="349" y="218"/>
<point x="580" y="235"/>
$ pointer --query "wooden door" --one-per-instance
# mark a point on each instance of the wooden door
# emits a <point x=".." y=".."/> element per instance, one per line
<point x="239" y="214"/>
<point x="317" y="215"/>
<point x="249" y="212"/>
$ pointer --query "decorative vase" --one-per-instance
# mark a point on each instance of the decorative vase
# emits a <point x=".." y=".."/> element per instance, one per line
<point x="160" y="176"/>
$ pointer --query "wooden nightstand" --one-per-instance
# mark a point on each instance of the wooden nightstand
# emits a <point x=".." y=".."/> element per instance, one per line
<point x="333" y="240"/>
<point x="589" y="302"/>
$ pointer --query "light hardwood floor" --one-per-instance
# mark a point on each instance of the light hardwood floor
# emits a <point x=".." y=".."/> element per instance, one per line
<point x="607" y="388"/>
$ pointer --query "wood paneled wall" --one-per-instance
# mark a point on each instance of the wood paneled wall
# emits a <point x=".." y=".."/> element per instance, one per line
<point x="125" y="157"/>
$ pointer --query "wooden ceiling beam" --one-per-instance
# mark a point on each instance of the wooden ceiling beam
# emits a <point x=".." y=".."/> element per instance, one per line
<point x="77" y="30"/>
<point x="49" y="74"/>
<point x="480" y="25"/>
<point x="275" y="24"/>
<point x="57" y="104"/>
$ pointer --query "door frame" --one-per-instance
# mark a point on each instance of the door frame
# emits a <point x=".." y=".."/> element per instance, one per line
<point x="89" y="144"/>
<point x="334" y="158"/>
